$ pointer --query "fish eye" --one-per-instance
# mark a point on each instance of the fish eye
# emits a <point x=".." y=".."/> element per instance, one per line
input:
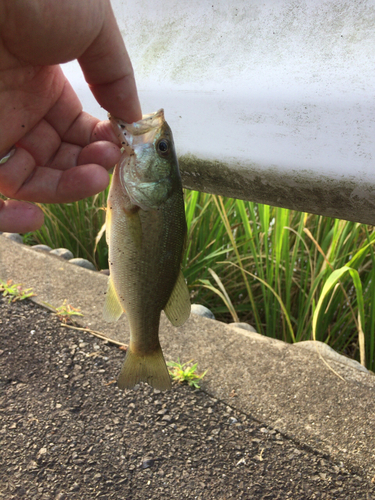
<point x="163" y="146"/>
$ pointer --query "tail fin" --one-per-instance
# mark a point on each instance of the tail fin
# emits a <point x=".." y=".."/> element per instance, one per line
<point x="150" y="368"/>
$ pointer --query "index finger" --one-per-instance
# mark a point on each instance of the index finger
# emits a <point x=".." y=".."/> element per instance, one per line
<point x="109" y="72"/>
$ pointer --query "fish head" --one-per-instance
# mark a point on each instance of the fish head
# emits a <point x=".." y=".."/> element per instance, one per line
<point x="148" y="166"/>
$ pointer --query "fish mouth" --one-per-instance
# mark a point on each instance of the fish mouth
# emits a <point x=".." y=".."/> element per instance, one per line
<point x="148" y="123"/>
<point x="131" y="132"/>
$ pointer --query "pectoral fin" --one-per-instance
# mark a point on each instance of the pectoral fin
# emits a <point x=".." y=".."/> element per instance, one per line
<point x="178" y="306"/>
<point x="112" y="308"/>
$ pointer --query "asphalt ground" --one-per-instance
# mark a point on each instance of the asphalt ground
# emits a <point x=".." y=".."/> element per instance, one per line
<point x="271" y="420"/>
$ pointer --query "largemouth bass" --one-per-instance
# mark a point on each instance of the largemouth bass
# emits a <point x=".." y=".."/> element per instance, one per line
<point x="146" y="231"/>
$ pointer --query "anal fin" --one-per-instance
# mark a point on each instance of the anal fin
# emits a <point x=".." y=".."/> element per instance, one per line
<point x="178" y="306"/>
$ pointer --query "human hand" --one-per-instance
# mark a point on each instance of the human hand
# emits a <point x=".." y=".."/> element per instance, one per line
<point x="62" y="153"/>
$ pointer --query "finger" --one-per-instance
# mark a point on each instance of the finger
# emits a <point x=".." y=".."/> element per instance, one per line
<point x="65" y="111"/>
<point x="45" y="33"/>
<point x="49" y="185"/>
<point x="20" y="178"/>
<point x="102" y="153"/>
<point x="44" y="144"/>
<point x="19" y="217"/>
<point x="74" y="125"/>
<point x="65" y="158"/>
<point x="88" y="129"/>
<point x="120" y="98"/>
<point x="63" y="36"/>
<point x="15" y="172"/>
<point x="41" y="142"/>
<point x="109" y="72"/>
<point x="73" y="184"/>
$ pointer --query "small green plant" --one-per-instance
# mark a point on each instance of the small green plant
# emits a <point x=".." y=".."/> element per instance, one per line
<point x="65" y="311"/>
<point x="185" y="373"/>
<point x="14" y="291"/>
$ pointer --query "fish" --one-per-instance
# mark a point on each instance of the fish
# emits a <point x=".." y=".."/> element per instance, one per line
<point x="146" y="232"/>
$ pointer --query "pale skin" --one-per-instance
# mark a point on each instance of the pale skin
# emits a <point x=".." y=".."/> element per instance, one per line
<point x="62" y="153"/>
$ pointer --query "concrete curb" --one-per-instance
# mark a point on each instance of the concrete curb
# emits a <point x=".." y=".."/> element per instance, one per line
<point x="288" y="387"/>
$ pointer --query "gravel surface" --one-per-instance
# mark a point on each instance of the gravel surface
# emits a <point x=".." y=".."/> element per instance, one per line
<point x="67" y="431"/>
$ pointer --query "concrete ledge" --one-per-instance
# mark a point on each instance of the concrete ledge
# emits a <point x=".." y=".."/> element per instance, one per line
<point x="287" y="387"/>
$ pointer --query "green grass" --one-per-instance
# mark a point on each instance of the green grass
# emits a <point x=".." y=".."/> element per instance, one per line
<point x="290" y="274"/>
<point x="75" y="226"/>
<point x="14" y="291"/>
<point x="65" y="312"/>
<point x="185" y="373"/>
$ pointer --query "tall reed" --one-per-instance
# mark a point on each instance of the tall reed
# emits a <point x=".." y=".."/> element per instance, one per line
<point x="75" y="226"/>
